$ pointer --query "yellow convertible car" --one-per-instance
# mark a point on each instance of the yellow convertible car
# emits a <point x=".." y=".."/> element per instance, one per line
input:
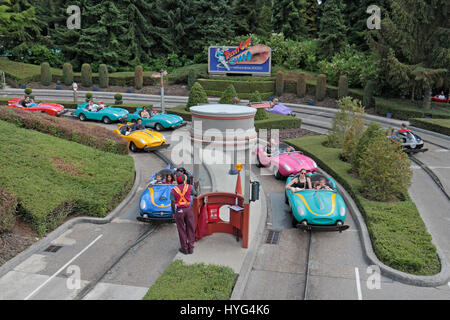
<point x="147" y="140"/>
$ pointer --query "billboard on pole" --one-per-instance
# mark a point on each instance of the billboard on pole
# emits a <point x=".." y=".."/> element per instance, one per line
<point x="245" y="59"/>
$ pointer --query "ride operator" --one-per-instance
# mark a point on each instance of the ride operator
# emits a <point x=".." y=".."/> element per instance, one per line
<point x="180" y="196"/>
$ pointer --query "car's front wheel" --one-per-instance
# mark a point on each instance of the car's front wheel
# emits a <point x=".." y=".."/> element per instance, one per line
<point x="159" y="127"/>
<point x="258" y="163"/>
<point x="82" y="117"/>
<point x="106" y="120"/>
<point x="278" y="175"/>
<point x="133" y="147"/>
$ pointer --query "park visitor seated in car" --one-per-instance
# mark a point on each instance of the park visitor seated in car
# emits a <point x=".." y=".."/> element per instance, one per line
<point x="322" y="185"/>
<point x="158" y="180"/>
<point x="300" y="182"/>
<point x="138" y="125"/>
<point x="144" y="113"/>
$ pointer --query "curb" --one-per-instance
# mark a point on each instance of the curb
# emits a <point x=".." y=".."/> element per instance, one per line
<point x="41" y="244"/>
<point x="422" y="281"/>
<point x="249" y="261"/>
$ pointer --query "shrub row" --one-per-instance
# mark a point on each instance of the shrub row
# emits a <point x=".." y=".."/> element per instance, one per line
<point x="276" y="121"/>
<point x="398" y="234"/>
<point x="242" y="96"/>
<point x="402" y="112"/>
<point x="241" y="86"/>
<point x="436" y="125"/>
<point x="89" y="135"/>
<point x="8" y="205"/>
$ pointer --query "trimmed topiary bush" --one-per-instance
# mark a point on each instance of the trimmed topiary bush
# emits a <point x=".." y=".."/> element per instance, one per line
<point x="369" y="99"/>
<point x="321" y="87"/>
<point x="118" y="98"/>
<point x="28" y="92"/>
<point x="8" y="205"/>
<point x="192" y="77"/>
<point x="279" y="84"/>
<point x="197" y="96"/>
<point x="86" y="75"/>
<point x="138" y="77"/>
<point x="301" y="85"/>
<point x="103" y="77"/>
<point x="261" y="113"/>
<point x="228" y="95"/>
<point x="342" y="87"/>
<point x="67" y="74"/>
<point x="88" y="96"/>
<point x="46" y="74"/>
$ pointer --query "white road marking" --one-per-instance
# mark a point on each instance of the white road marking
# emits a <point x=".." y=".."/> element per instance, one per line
<point x="358" y="284"/>
<point x="431" y="167"/>
<point x="442" y="150"/>
<point x="62" y="268"/>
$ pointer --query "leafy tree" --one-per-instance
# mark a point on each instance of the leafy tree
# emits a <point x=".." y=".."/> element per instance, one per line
<point x="312" y="18"/>
<point x="247" y="15"/>
<point x="412" y="46"/>
<point x="374" y="129"/>
<point x="385" y="176"/>
<point x="332" y="34"/>
<point x="349" y="117"/>
<point x="289" y="18"/>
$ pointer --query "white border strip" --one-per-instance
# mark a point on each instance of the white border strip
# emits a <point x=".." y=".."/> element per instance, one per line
<point x="62" y="268"/>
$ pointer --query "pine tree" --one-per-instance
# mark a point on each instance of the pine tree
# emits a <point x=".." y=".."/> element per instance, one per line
<point x="19" y="25"/>
<point x="312" y="18"/>
<point x="412" y="45"/>
<point x="139" y="37"/>
<point x="332" y="34"/>
<point x="246" y="16"/>
<point x="289" y="18"/>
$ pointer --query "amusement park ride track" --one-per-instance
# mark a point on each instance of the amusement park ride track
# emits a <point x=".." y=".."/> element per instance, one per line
<point x="152" y="227"/>
<point x="428" y="171"/>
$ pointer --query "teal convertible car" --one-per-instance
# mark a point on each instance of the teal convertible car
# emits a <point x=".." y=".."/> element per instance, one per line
<point x="159" y="122"/>
<point x="321" y="210"/>
<point x="107" y="115"/>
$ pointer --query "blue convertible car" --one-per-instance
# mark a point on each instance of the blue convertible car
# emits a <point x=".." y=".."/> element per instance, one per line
<point x="159" y="122"/>
<point x="107" y="115"/>
<point x="321" y="210"/>
<point x="154" y="203"/>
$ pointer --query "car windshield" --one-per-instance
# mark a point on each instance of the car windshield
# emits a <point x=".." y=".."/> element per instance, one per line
<point x="282" y="148"/>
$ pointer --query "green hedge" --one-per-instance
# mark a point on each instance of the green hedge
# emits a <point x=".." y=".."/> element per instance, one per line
<point x="436" y="125"/>
<point x="399" y="236"/>
<point x="246" y="87"/>
<point x="404" y="110"/>
<point x="180" y="111"/>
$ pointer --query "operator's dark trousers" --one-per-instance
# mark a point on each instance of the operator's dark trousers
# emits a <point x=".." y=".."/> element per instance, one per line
<point x="184" y="218"/>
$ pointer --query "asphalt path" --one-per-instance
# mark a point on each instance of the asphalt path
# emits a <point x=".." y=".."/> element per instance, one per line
<point x="337" y="267"/>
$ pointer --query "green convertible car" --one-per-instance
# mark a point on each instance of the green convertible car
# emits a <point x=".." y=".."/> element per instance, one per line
<point x="159" y="122"/>
<point x="107" y="115"/>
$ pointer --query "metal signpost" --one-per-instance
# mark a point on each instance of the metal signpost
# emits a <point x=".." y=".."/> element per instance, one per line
<point x="161" y="75"/>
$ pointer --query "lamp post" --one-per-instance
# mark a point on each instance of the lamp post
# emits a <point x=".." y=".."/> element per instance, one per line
<point x="161" y="75"/>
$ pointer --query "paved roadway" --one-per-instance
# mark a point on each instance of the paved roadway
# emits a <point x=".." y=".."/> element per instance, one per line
<point x="336" y="259"/>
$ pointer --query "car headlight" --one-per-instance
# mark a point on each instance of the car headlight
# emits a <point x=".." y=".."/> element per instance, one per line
<point x="164" y="138"/>
<point x="287" y="167"/>
<point x="142" y="141"/>
<point x="300" y="211"/>
<point x="143" y="205"/>
<point x="342" y="211"/>
<point x="314" y="164"/>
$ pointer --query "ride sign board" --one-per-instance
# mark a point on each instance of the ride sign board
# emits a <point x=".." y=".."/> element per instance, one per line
<point x="244" y="59"/>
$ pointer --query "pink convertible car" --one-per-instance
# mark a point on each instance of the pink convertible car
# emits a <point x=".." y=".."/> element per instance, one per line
<point x="284" y="160"/>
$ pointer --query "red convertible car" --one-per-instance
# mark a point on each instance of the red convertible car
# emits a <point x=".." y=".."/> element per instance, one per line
<point x="52" y="109"/>
<point x="284" y="160"/>
<point x="440" y="98"/>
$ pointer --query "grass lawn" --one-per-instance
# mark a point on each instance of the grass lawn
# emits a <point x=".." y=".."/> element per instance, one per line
<point x="54" y="178"/>
<point x="23" y="70"/>
<point x="193" y="282"/>
<point x="437" y="125"/>
<point x="399" y="236"/>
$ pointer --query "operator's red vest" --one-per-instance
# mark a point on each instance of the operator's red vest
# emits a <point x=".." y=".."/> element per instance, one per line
<point x="182" y="194"/>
